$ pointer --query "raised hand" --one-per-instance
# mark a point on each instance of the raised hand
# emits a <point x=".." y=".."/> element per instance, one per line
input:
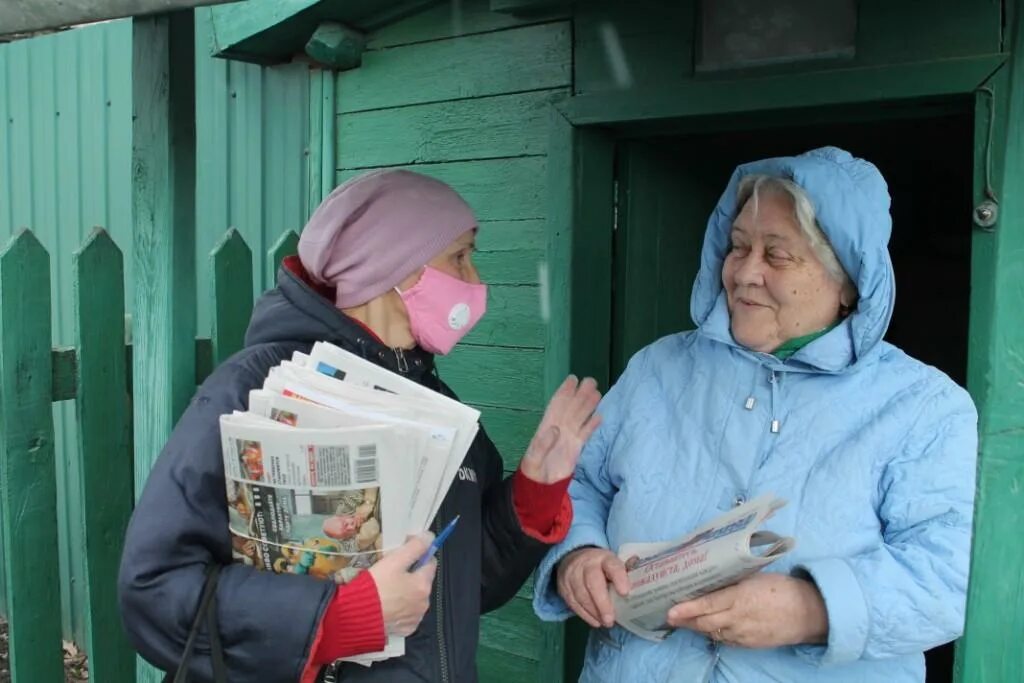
<point x="568" y="422"/>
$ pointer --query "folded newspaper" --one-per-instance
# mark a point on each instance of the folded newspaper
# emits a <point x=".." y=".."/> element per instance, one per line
<point x="724" y="551"/>
<point x="336" y="461"/>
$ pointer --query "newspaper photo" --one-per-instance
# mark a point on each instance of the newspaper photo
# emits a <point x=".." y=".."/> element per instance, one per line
<point x="312" y="501"/>
<point x="722" y="552"/>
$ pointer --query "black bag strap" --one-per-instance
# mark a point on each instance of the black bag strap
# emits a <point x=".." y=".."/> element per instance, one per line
<point x="207" y="611"/>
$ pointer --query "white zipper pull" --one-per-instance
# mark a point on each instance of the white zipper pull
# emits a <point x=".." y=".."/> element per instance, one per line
<point x="403" y="365"/>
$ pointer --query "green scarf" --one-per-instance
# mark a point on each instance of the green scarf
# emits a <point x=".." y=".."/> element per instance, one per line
<point x="790" y="347"/>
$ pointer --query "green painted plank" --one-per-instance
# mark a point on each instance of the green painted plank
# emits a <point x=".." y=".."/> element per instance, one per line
<point x="497" y="189"/>
<point x="500" y="377"/>
<point x="28" y="480"/>
<point x="513" y="319"/>
<point x="513" y="629"/>
<point x="496" y="666"/>
<point x="314" y="156"/>
<point x="231" y="277"/>
<point x="452" y="19"/>
<point x="511" y="252"/>
<point x="163" y="207"/>
<point x="286" y="245"/>
<point x="520" y="267"/>
<point x="510" y="430"/>
<point x="483" y="128"/>
<point x="541" y="57"/>
<point x="807" y="89"/>
<point x="103" y="412"/>
<point x="990" y="649"/>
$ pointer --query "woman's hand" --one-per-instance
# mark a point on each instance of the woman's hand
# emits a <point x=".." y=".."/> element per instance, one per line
<point x="763" y="611"/>
<point x="583" y="577"/>
<point x="404" y="595"/>
<point x="568" y="422"/>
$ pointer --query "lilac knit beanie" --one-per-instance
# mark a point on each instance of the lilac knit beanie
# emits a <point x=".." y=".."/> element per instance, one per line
<point x="375" y="230"/>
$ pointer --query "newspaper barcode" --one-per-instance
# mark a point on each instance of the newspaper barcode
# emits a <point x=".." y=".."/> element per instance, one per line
<point x="366" y="464"/>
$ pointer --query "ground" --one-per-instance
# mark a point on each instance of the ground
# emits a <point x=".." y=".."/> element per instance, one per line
<point x="75" y="667"/>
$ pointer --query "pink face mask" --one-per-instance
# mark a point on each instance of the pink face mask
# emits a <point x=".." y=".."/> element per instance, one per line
<point x="442" y="309"/>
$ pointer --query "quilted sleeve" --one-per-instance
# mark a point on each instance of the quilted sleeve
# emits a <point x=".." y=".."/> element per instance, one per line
<point x="908" y="594"/>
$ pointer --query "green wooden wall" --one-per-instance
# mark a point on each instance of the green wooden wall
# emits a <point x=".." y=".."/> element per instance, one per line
<point x="462" y="94"/>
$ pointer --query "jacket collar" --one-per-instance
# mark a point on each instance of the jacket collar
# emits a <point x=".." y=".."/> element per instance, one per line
<point x="316" y="304"/>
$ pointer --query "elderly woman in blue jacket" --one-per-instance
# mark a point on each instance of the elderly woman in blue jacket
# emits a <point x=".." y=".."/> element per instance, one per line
<point x="785" y="387"/>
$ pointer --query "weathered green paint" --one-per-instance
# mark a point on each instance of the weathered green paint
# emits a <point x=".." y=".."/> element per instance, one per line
<point x="24" y="16"/>
<point x="510" y="429"/>
<point x="990" y="649"/>
<point x="513" y="318"/>
<point x="336" y="45"/>
<point x="253" y="133"/>
<point x="771" y="93"/>
<point x="286" y="245"/>
<point x="486" y="128"/>
<point x="513" y="376"/>
<point x="64" y="362"/>
<point x="272" y="31"/>
<point x="422" y="72"/>
<point x="231" y="268"/>
<point x="580" y="205"/>
<point x="28" y="480"/>
<point x="103" y="410"/>
<point x="321" y="160"/>
<point x="498" y="190"/>
<point x="163" y="201"/>
<point x="448" y="20"/>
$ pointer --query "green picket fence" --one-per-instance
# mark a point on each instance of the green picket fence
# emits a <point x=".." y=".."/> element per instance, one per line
<point x="96" y="374"/>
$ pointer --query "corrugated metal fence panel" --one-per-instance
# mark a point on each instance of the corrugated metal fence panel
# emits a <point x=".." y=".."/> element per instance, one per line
<point x="65" y="166"/>
<point x="252" y="146"/>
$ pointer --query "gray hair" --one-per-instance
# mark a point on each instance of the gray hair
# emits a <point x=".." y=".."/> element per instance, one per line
<point x="750" y="188"/>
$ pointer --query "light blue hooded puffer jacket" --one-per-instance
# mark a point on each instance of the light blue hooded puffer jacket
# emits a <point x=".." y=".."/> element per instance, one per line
<point x="874" y="451"/>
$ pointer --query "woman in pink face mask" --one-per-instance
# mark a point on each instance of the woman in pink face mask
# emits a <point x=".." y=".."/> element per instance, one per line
<point x="385" y="270"/>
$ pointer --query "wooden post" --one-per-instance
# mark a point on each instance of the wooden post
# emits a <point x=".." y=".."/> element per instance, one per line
<point x="163" y="201"/>
<point x="286" y="245"/>
<point x="990" y="650"/>
<point x="28" y="480"/>
<point x="103" y="412"/>
<point x="231" y="266"/>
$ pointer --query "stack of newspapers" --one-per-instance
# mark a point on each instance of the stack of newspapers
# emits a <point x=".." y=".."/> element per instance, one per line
<point x="336" y="461"/>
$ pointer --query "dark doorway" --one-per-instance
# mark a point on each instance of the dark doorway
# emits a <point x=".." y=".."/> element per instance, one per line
<point x="667" y="186"/>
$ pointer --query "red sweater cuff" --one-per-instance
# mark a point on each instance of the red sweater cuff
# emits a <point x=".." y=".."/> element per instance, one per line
<point x="544" y="510"/>
<point x="353" y="624"/>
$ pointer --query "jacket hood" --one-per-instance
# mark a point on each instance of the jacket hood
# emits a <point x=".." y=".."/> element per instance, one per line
<point x="851" y="202"/>
<point x="299" y="311"/>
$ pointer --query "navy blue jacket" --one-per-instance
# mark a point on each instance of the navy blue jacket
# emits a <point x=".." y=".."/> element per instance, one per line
<point x="268" y="621"/>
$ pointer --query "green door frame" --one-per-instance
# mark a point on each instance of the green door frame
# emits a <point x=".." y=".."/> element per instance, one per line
<point x="583" y="131"/>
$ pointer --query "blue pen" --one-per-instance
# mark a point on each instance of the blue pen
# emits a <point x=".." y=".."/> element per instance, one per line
<point x="436" y="544"/>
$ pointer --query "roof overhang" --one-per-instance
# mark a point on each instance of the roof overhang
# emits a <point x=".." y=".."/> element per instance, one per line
<point x="23" y="18"/>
